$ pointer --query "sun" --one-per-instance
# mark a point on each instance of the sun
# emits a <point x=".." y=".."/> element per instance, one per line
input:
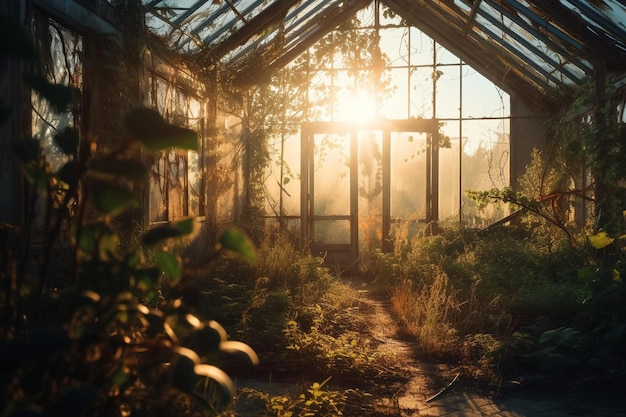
<point x="359" y="107"/>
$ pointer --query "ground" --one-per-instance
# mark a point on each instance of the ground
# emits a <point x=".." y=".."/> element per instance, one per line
<point x="408" y="386"/>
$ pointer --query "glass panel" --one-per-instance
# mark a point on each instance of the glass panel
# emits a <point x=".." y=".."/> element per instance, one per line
<point x="485" y="164"/>
<point x="421" y="92"/>
<point x="421" y="48"/>
<point x="62" y="66"/>
<point x="194" y="184"/>
<point x="331" y="175"/>
<point x="176" y="174"/>
<point x="62" y="50"/>
<point x="395" y="101"/>
<point x="283" y="185"/>
<point x="408" y="175"/>
<point x="449" y="175"/>
<point x="448" y="91"/>
<point x="482" y="98"/>
<point x="370" y="187"/>
<point x="194" y="116"/>
<point x="445" y="57"/>
<point x="320" y="97"/>
<point x="394" y="44"/>
<point x="158" y="191"/>
<point x="331" y="231"/>
<point x="176" y="177"/>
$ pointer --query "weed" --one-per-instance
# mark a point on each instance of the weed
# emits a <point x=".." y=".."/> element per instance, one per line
<point x="429" y="312"/>
<point x="316" y="401"/>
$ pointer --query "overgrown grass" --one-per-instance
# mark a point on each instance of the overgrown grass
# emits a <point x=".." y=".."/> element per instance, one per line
<point x="486" y="299"/>
<point x="430" y="312"/>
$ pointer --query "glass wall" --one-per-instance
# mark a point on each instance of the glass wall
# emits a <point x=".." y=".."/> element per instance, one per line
<point x="379" y="69"/>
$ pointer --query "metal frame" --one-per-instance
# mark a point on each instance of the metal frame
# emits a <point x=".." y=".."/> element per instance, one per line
<point x="567" y="36"/>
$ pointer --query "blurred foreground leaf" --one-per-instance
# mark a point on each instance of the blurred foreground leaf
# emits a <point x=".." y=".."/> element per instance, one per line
<point x="110" y="200"/>
<point x="178" y="229"/>
<point x="156" y="134"/>
<point x="236" y="243"/>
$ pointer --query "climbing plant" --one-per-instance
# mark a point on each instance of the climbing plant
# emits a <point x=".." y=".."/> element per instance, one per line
<point x="590" y="135"/>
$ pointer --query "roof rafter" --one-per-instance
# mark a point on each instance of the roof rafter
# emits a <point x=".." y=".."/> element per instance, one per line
<point x="268" y="16"/>
<point x="527" y="47"/>
<point x="595" y="43"/>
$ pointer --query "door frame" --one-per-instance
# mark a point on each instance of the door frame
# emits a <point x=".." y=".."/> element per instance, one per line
<point x="346" y="256"/>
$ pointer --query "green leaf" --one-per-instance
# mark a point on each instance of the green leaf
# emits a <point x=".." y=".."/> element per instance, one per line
<point x="208" y="339"/>
<point x="67" y="140"/>
<point x="155" y="134"/>
<point x="111" y="200"/>
<point x="120" y="376"/>
<point x="171" y="266"/>
<point x="15" y="41"/>
<point x="216" y="374"/>
<point x="587" y="273"/>
<point x="185" y="226"/>
<point x="234" y="242"/>
<point x="98" y="239"/>
<point x="146" y="279"/>
<point x="67" y="174"/>
<point x="27" y="149"/>
<point x="233" y="346"/>
<point x="160" y="233"/>
<point x="59" y="96"/>
<point x="129" y="169"/>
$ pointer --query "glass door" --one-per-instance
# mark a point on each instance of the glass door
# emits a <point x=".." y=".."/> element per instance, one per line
<point x="358" y="181"/>
<point x="332" y="224"/>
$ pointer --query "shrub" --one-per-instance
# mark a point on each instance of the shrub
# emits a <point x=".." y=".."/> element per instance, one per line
<point x="105" y="342"/>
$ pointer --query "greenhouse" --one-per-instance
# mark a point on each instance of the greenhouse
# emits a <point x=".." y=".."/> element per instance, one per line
<point x="172" y="164"/>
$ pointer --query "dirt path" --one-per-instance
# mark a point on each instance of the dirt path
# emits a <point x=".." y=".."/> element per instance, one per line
<point x="434" y="389"/>
<point x="407" y="387"/>
<point x="422" y="380"/>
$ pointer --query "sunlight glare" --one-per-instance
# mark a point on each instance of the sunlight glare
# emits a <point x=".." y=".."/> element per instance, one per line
<point x="359" y="108"/>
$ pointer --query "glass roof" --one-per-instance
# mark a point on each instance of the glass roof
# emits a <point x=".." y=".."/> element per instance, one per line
<point x="519" y="43"/>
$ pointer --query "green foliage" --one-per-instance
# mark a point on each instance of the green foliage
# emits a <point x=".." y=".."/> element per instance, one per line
<point x="487" y="298"/>
<point x="315" y="401"/>
<point x="603" y="289"/>
<point x="155" y="134"/>
<point x="428" y="311"/>
<point x="588" y="134"/>
<point x="105" y="342"/>
<point x="237" y="243"/>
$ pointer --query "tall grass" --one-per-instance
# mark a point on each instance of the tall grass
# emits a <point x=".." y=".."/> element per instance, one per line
<point x="430" y="313"/>
<point x="290" y="269"/>
<point x="456" y="285"/>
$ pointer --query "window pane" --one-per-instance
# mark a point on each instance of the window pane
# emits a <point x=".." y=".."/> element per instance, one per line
<point x="332" y="175"/>
<point x="331" y="231"/>
<point x="408" y="175"/>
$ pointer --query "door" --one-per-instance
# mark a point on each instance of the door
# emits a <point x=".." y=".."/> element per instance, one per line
<point x="358" y="181"/>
